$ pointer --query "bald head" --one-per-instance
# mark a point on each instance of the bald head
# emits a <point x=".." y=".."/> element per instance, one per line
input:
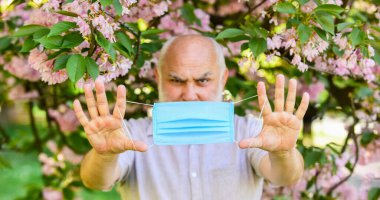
<point x="197" y="46"/>
<point x="191" y="68"/>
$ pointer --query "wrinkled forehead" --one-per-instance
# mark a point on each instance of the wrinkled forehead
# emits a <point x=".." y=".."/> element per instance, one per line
<point x="191" y="53"/>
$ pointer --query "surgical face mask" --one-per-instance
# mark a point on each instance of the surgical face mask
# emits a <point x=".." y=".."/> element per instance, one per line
<point x="198" y="122"/>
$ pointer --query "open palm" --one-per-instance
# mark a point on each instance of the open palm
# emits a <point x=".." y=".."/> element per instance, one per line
<point x="104" y="131"/>
<point x="281" y="127"/>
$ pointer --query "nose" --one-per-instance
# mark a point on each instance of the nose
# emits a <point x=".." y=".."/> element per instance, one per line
<point x="189" y="93"/>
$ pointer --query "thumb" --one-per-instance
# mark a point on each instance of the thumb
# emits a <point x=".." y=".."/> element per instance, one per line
<point x="255" y="142"/>
<point x="135" y="145"/>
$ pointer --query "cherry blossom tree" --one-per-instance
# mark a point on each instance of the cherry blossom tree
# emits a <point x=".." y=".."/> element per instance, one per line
<point x="49" y="49"/>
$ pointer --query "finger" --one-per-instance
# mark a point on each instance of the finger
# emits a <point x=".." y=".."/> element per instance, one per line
<point x="135" y="145"/>
<point x="119" y="110"/>
<point x="79" y="113"/>
<point x="263" y="99"/>
<point x="291" y="98"/>
<point x="101" y="98"/>
<point x="255" y="142"/>
<point x="90" y="100"/>
<point x="303" y="106"/>
<point x="279" y="93"/>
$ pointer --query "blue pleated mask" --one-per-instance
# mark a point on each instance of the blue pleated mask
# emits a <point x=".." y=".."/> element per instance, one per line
<point x="196" y="122"/>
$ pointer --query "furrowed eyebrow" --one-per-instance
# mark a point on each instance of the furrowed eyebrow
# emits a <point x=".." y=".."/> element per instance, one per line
<point x="173" y="76"/>
<point x="205" y="75"/>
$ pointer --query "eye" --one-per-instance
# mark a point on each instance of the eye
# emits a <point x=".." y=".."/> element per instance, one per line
<point x="175" y="81"/>
<point x="203" y="80"/>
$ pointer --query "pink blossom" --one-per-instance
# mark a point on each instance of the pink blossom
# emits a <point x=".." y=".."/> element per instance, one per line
<point x="161" y="8"/>
<point x="51" y="4"/>
<point x="52" y="146"/>
<point x="231" y="8"/>
<point x="314" y="90"/>
<point x="40" y="17"/>
<point x="368" y="62"/>
<point x="296" y="59"/>
<point x="233" y="48"/>
<point x="302" y="67"/>
<point x="52" y="194"/>
<point x="39" y="61"/>
<point x="308" y="7"/>
<point x="83" y="27"/>
<point x="289" y="37"/>
<point x="66" y="119"/>
<point x="70" y="156"/>
<point x="20" y="68"/>
<point x="105" y="26"/>
<point x="146" y="70"/>
<point x="274" y="42"/>
<point x="340" y="40"/>
<point x="204" y="18"/>
<point x="341" y="71"/>
<point x="78" y="7"/>
<point x="18" y="93"/>
<point x="273" y="20"/>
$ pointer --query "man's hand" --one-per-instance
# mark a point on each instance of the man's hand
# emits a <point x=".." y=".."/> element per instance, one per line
<point x="281" y="127"/>
<point x="104" y="131"/>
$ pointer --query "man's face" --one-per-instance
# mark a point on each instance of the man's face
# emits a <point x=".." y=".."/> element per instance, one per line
<point x="190" y="71"/>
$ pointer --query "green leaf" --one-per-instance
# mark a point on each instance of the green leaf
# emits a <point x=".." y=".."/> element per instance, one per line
<point x="363" y="92"/>
<point x="75" y="67"/>
<point x="187" y="12"/>
<point x="5" y="42"/>
<point x="356" y="36"/>
<point x="292" y="23"/>
<point x="53" y="42"/>
<point x="374" y="193"/>
<point x="337" y="51"/>
<point x="229" y="33"/>
<point x="61" y="27"/>
<point x="329" y="8"/>
<point x="364" y="50"/>
<point x="125" y="41"/>
<point x="258" y="46"/>
<point x="60" y="62"/>
<point x="285" y="7"/>
<point x="67" y="13"/>
<point x="121" y="49"/>
<point x="151" y="47"/>
<point x="118" y="7"/>
<point x="321" y="33"/>
<point x="344" y="25"/>
<point x="28" y="30"/>
<point x="377" y="57"/>
<point x="326" y="20"/>
<point x="41" y="33"/>
<point x="106" y="45"/>
<point x="367" y="138"/>
<point x="151" y="32"/>
<point x="4" y="163"/>
<point x="28" y="45"/>
<point x="303" y="2"/>
<point x="72" y="40"/>
<point x="92" y="67"/>
<point x="105" y="2"/>
<point x="304" y="33"/>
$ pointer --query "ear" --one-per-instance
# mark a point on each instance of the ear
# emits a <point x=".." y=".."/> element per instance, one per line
<point x="156" y="74"/>
<point x="225" y="77"/>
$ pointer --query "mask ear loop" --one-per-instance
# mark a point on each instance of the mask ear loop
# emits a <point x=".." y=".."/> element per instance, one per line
<point x="260" y="119"/>
<point x="235" y="141"/>
<point x="261" y="112"/>
<point x="129" y="135"/>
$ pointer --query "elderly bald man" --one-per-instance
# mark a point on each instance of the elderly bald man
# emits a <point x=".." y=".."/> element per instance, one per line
<point x="192" y="68"/>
